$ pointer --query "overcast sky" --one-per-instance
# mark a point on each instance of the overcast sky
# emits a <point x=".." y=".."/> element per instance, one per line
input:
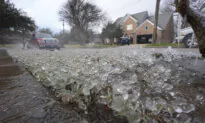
<point x="45" y="12"/>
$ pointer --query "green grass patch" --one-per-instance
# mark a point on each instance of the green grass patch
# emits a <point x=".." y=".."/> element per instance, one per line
<point x="11" y="46"/>
<point x="165" y="45"/>
<point x="103" y="46"/>
<point x="6" y="45"/>
<point x="73" y="46"/>
<point x="1" y="45"/>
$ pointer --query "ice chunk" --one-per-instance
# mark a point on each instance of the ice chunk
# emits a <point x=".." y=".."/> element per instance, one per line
<point x="199" y="97"/>
<point x="118" y="104"/>
<point x="185" y="108"/>
<point x="43" y="68"/>
<point x="125" y="96"/>
<point x="178" y="109"/>
<point x="167" y="86"/>
<point x="150" y="104"/>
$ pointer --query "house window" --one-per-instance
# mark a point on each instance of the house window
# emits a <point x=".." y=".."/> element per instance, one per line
<point x="129" y="27"/>
<point x="146" y="28"/>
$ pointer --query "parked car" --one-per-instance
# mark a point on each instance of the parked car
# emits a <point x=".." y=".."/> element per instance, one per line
<point x="124" y="40"/>
<point x="44" y="41"/>
<point x="187" y="37"/>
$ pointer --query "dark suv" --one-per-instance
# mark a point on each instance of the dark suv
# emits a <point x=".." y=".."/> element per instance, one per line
<point x="124" y="40"/>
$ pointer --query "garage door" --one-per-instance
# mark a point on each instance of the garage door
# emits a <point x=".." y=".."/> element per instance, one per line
<point x="144" y="39"/>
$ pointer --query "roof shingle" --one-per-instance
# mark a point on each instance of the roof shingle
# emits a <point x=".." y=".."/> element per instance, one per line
<point x="140" y="17"/>
<point x="163" y="19"/>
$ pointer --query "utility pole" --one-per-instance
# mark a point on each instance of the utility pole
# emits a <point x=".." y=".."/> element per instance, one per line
<point x="156" y="21"/>
<point x="63" y="25"/>
<point x="178" y="28"/>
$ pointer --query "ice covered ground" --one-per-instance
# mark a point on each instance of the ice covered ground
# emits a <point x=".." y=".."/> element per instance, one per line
<point x="139" y="83"/>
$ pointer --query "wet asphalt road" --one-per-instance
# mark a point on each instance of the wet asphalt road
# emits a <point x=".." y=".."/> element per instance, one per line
<point x="23" y="100"/>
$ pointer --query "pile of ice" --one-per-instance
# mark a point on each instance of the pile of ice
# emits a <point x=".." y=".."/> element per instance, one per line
<point x="128" y="80"/>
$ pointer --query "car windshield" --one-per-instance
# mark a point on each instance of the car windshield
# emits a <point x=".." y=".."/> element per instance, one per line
<point x="41" y="35"/>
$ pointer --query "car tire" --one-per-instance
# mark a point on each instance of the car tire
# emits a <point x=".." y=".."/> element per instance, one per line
<point x="187" y="40"/>
<point x="38" y="47"/>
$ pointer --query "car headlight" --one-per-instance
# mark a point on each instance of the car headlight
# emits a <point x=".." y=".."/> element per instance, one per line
<point x="182" y="34"/>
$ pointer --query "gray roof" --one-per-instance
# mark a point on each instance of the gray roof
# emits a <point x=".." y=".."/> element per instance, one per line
<point x="140" y="17"/>
<point x="163" y="19"/>
<point x="118" y="21"/>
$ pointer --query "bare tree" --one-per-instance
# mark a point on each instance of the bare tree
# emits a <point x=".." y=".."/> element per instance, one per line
<point x="81" y="15"/>
<point x="196" y="19"/>
<point x="46" y="30"/>
<point x="156" y="21"/>
<point x="167" y="6"/>
<point x="198" y="5"/>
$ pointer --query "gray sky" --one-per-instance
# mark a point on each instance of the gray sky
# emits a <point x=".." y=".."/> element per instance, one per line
<point x="45" y="12"/>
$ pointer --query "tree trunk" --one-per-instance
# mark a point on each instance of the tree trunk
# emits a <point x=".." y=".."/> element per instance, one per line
<point x="196" y="20"/>
<point x="83" y="36"/>
<point x="185" y="24"/>
<point x="156" y="21"/>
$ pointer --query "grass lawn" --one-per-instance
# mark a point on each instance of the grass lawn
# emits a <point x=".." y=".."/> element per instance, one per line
<point x="1" y="46"/>
<point x="10" y="45"/>
<point x="165" y="45"/>
<point x="5" y="45"/>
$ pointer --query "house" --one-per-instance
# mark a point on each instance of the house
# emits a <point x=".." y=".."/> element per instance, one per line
<point x="140" y="27"/>
<point x="129" y="23"/>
